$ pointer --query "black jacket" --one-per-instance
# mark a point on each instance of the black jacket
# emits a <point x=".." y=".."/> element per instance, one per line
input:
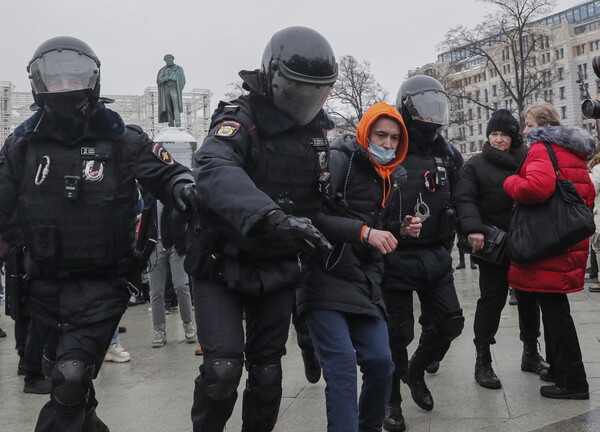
<point x="353" y="284"/>
<point x="107" y="194"/>
<point x="173" y="227"/>
<point x="480" y="197"/>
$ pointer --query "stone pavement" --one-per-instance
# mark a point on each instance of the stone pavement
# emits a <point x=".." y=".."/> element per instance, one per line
<point x="153" y="393"/>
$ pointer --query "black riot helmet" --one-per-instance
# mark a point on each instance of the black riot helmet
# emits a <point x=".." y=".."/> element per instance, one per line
<point x="298" y="71"/>
<point x="67" y="68"/>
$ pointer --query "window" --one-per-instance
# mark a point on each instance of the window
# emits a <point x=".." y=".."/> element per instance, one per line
<point x="563" y="112"/>
<point x="582" y="70"/>
<point x="561" y="73"/>
<point x="470" y="114"/>
<point x="560" y="53"/>
<point x="548" y="96"/>
<point x="494" y="90"/>
<point x="480" y="128"/>
<point x="580" y="49"/>
<point x="471" y="130"/>
<point x="561" y="91"/>
<point x="478" y="112"/>
<point x="485" y="92"/>
<point x="583" y="89"/>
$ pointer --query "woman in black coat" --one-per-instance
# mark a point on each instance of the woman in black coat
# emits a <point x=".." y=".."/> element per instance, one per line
<point x="480" y="199"/>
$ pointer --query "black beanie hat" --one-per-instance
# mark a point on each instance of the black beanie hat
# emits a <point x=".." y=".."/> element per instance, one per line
<point x="503" y="121"/>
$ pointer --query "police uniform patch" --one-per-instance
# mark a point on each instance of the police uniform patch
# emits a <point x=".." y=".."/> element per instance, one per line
<point x="228" y="129"/>
<point x="93" y="171"/>
<point x="162" y="154"/>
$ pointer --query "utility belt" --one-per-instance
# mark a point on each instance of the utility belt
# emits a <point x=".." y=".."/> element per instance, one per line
<point x="115" y="270"/>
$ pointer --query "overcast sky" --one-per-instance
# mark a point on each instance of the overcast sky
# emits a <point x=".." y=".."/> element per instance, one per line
<point x="213" y="40"/>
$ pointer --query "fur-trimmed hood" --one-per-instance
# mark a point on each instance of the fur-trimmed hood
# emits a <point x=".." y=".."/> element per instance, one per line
<point x="101" y="123"/>
<point x="575" y="139"/>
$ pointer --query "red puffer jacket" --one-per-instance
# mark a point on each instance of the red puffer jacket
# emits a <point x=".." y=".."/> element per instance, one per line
<point x="535" y="183"/>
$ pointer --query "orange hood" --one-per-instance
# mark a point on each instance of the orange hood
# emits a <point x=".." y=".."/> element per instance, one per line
<point x="362" y="136"/>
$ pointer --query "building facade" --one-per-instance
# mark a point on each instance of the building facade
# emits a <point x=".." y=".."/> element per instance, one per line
<point x="566" y="43"/>
<point x="15" y="107"/>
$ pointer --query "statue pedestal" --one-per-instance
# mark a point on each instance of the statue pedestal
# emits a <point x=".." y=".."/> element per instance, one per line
<point x="179" y="143"/>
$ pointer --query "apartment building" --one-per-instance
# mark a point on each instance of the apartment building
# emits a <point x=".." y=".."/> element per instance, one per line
<point x="566" y="42"/>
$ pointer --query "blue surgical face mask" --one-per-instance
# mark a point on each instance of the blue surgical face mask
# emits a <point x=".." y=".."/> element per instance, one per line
<point x="381" y="154"/>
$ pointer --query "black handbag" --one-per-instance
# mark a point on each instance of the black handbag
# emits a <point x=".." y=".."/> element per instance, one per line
<point x="541" y="230"/>
<point x="494" y="245"/>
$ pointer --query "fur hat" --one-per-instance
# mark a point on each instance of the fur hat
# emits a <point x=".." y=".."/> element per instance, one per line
<point x="503" y="121"/>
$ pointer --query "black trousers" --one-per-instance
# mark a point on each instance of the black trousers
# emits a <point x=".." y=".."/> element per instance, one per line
<point x="562" y="345"/>
<point x="76" y="319"/>
<point x="221" y="334"/>
<point x="493" y="286"/>
<point x="437" y="301"/>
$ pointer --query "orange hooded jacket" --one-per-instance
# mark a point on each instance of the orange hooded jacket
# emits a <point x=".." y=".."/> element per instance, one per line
<point x="362" y="136"/>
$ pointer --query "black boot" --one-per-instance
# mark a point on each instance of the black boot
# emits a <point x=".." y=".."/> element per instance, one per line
<point x="461" y="265"/>
<point x="312" y="368"/>
<point x="532" y="361"/>
<point x="433" y="367"/>
<point x="484" y="374"/>
<point x="394" y="421"/>
<point x="473" y="265"/>
<point x="415" y="379"/>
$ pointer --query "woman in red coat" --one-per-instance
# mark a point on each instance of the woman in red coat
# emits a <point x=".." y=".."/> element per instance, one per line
<point x="553" y="277"/>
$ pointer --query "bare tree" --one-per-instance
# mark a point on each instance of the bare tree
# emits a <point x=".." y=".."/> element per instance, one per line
<point x="508" y="44"/>
<point x="235" y="91"/>
<point x="354" y="91"/>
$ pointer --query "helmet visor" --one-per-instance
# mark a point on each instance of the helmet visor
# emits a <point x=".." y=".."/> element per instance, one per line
<point x="301" y="101"/>
<point x="61" y="71"/>
<point x="429" y="107"/>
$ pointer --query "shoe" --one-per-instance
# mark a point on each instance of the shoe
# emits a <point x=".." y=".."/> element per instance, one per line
<point x="554" y="392"/>
<point x="415" y="380"/>
<point x="460" y="266"/>
<point x="198" y="351"/>
<point x="2" y="333"/>
<point x="547" y="375"/>
<point x="473" y="266"/>
<point x="594" y="288"/>
<point x="433" y="367"/>
<point x="394" y="420"/>
<point x="312" y="368"/>
<point x="39" y="386"/>
<point x="484" y="373"/>
<point x="160" y="339"/>
<point x="170" y="309"/>
<point x="134" y="301"/>
<point x="190" y="332"/>
<point x="122" y="330"/>
<point x="531" y="360"/>
<point x="592" y="279"/>
<point x="116" y="353"/>
<point x="512" y="298"/>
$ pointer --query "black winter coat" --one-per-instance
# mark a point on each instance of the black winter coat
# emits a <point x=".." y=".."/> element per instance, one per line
<point x="479" y="195"/>
<point x="353" y="284"/>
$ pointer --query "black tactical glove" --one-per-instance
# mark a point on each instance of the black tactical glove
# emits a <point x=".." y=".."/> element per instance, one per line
<point x="298" y="229"/>
<point x="186" y="198"/>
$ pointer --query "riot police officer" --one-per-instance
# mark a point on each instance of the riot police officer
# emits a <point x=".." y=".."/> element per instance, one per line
<point x="422" y="264"/>
<point x="259" y="167"/>
<point x="70" y="171"/>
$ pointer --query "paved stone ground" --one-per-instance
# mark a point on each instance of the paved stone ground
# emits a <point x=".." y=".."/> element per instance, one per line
<point x="154" y="391"/>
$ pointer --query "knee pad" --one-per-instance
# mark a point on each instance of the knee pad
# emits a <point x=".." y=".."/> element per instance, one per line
<point x="222" y="376"/>
<point x="71" y="381"/>
<point x="450" y="326"/>
<point x="401" y="334"/>
<point x="264" y="381"/>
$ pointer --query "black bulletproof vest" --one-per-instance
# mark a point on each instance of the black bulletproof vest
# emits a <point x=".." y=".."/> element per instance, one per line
<point x="286" y="166"/>
<point x="436" y="196"/>
<point x="80" y="216"/>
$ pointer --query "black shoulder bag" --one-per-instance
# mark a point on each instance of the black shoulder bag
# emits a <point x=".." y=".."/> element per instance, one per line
<point x="494" y="246"/>
<point x="542" y="230"/>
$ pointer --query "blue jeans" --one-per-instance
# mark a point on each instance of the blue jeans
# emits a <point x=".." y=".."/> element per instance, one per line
<point x="341" y="342"/>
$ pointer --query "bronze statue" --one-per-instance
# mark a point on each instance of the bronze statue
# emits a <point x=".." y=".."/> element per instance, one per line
<point x="170" y="80"/>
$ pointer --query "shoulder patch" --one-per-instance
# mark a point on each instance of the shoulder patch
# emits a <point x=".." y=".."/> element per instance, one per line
<point x="162" y="154"/>
<point x="228" y="128"/>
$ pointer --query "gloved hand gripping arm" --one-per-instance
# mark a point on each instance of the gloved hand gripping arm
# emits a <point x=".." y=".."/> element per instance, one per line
<point x="299" y="230"/>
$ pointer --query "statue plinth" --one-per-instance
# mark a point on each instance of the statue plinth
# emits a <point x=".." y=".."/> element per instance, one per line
<point x="179" y="143"/>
